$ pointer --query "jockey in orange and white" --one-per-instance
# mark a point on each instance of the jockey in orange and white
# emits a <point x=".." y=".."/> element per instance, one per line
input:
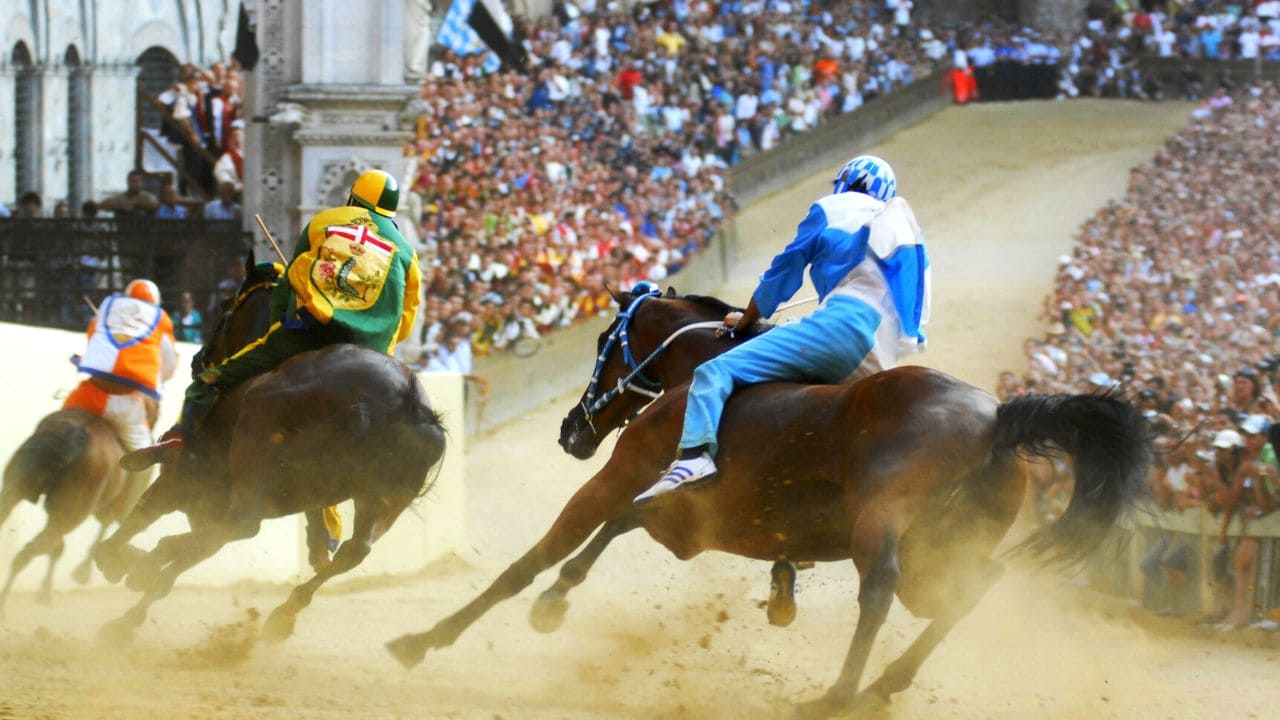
<point x="131" y="352"/>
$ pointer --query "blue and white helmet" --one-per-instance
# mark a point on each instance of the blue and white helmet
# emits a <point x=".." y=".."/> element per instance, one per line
<point x="868" y="175"/>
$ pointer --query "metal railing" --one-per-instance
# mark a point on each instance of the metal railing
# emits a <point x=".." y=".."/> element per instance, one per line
<point x="50" y="267"/>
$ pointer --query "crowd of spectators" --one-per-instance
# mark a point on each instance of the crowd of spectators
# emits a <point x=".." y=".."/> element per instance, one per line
<point x="204" y="116"/>
<point x="1174" y="293"/>
<point x="603" y="160"/>
<point x="1102" y="60"/>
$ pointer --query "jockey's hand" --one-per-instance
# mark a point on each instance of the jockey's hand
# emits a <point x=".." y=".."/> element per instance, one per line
<point x="730" y="324"/>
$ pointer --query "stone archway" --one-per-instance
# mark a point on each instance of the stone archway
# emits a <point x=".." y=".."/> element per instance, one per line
<point x="158" y="70"/>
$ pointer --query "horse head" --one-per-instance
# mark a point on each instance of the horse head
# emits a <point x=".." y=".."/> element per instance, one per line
<point x="633" y="364"/>
<point x="246" y="316"/>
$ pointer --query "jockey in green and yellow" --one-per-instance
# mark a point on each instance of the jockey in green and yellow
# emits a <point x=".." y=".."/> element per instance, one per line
<point x="353" y="279"/>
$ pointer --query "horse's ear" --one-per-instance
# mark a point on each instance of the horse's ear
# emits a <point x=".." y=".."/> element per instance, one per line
<point x="671" y="292"/>
<point x="248" y="264"/>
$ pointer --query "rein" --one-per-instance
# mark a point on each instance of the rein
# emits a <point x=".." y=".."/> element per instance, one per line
<point x="224" y="322"/>
<point x="635" y="381"/>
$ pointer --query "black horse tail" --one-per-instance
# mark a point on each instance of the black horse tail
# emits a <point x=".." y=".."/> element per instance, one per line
<point x="43" y="459"/>
<point x="1110" y="448"/>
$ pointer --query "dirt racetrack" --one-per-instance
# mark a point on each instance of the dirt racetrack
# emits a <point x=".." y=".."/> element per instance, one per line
<point x="999" y="190"/>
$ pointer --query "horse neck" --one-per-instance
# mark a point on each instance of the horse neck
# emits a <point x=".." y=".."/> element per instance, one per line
<point x="247" y="322"/>
<point x="675" y="366"/>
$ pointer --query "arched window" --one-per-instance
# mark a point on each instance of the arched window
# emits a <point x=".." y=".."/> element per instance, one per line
<point x="158" y="71"/>
<point x="77" y="128"/>
<point x="24" y="119"/>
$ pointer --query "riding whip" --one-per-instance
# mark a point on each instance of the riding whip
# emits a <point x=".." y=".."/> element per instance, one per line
<point x="270" y="239"/>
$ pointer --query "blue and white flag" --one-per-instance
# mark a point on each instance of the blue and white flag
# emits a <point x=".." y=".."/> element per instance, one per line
<point x="478" y="26"/>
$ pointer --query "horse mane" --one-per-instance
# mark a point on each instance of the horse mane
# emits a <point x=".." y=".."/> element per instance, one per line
<point x="723" y="308"/>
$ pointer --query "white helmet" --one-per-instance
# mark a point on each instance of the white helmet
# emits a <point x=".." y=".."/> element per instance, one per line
<point x="868" y="175"/>
<point x="143" y="289"/>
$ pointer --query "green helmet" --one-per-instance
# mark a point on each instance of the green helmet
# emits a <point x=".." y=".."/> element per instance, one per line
<point x="378" y="191"/>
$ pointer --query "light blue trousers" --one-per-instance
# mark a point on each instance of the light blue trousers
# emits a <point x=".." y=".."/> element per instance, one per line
<point x="825" y="347"/>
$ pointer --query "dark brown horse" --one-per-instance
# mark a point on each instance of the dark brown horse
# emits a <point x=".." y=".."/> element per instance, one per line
<point x="326" y="426"/>
<point x="71" y="461"/>
<point x="910" y="473"/>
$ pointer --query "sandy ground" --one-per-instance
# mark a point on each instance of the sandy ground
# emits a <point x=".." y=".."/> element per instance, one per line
<point x="999" y="191"/>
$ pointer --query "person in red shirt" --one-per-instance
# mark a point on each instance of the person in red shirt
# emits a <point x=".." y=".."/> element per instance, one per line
<point x="627" y="80"/>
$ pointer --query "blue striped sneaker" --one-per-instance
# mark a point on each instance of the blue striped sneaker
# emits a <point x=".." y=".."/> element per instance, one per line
<point x="680" y="474"/>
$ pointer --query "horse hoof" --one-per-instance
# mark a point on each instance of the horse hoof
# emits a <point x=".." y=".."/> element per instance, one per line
<point x="279" y="626"/>
<point x="781" y="609"/>
<point x="822" y="708"/>
<point x="117" y="634"/>
<point x="82" y="574"/>
<point x="408" y="649"/>
<point x="548" y="612"/>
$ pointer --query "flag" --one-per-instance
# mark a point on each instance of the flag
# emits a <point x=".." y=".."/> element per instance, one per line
<point x="246" y="50"/>
<point x="481" y="26"/>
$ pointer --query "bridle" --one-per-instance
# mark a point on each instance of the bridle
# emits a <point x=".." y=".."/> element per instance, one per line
<point x="636" y="380"/>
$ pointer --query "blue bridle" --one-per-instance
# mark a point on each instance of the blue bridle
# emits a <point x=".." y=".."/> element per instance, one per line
<point x="636" y="381"/>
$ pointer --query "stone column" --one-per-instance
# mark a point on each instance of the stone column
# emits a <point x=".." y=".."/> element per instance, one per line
<point x="113" y="97"/>
<point x="8" y="139"/>
<point x="52" y="131"/>
<point x="325" y="103"/>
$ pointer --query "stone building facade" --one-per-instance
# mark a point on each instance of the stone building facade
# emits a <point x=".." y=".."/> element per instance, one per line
<point x="68" y="85"/>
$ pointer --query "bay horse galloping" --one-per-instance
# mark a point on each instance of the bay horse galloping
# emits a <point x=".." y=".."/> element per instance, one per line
<point x="71" y="461"/>
<point x="912" y="474"/>
<point x="338" y="423"/>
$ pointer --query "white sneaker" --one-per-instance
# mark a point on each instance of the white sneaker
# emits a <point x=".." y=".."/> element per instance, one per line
<point x="680" y="474"/>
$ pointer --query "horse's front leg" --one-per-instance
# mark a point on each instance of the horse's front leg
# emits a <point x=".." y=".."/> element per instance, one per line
<point x="187" y="550"/>
<point x="115" y="556"/>
<point x="602" y="498"/>
<point x="548" y="612"/>
<point x="373" y="517"/>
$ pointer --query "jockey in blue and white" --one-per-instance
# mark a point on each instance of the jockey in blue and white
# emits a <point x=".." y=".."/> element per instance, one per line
<point x="867" y="261"/>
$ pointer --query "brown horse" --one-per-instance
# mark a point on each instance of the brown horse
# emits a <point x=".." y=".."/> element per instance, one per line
<point x="71" y="461"/>
<point x="325" y="426"/>
<point x="910" y="473"/>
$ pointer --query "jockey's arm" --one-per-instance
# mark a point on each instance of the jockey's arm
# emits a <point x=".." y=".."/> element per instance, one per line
<point x="412" y="299"/>
<point x="786" y="273"/>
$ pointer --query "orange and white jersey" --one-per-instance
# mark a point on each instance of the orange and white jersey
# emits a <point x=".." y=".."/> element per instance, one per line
<point x="131" y="343"/>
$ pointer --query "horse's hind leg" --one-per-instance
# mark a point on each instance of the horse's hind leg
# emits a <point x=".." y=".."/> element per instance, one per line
<point x="548" y="611"/>
<point x="877" y="544"/>
<point x="45" y="596"/>
<point x="84" y="571"/>
<point x="902" y="671"/>
<point x="48" y="542"/>
<point x="372" y="517"/>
